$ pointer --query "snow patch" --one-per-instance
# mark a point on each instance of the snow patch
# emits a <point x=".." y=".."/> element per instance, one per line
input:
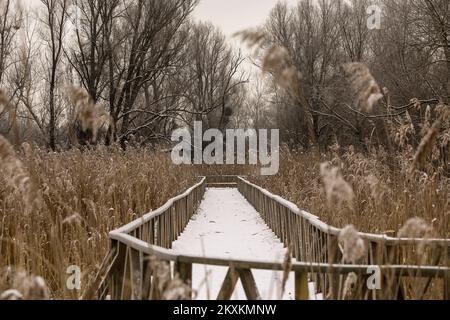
<point x="227" y="226"/>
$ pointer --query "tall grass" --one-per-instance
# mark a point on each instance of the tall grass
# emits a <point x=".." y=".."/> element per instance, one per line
<point x="83" y="194"/>
<point x="56" y="209"/>
<point x="377" y="191"/>
<point x="383" y="199"/>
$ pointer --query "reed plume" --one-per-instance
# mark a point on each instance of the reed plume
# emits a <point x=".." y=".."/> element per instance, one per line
<point x="415" y="228"/>
<point x="353" y="246"/>
<point x="90" y="115"/>
<point x="16" y="176"/>
<point x="426" y="145"/>
<point x="338" y="191"/>
<point x="4" y="100"/>
<point x="253" y="37"/>
<point x="277" y="62"/>
<point x="364" y="85"/>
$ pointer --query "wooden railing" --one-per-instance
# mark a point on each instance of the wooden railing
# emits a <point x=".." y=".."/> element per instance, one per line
<point x="314" y="241"/>
<point x="141" y="265"/>
<point x="222" y="181"/>
<point x="156" y="231"/>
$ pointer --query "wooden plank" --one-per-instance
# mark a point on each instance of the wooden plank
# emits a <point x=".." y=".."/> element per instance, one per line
<point x="158" y="231"/>
<point x="136" y="274"/>
<point x="115" y="276"/>
<point x="447" y="274"/>
<point x="301" y="286"/>
<point x="125" y="291"/>
<point x="146" y="278"/>
<point x="314" y="243"/>
<point x="184" y="272"/>
<point x="152" y="232"/>
<point x="295" y="233"/>
<point x="98" y="289"/>
<point x="229" y="185"/>
<point x="228" y="285"/>
<point x="165" y="231"/>
<point x="447" y="287"/>
<point x="249" y="284"/>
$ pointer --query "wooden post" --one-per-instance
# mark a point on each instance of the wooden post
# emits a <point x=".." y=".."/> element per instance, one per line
<point x="228" y="285"/>
<point x="447" y="274"/>
<point x="249" y="284"/>
<point x="447" y="286"/>
<point x="301" y="286"/>
<point x="116" y="275"/>
<point x="146" y="278"/>
<point x="333" y="258"/>
<point x="126" y="277"/>
<point x="136" y="274"/>
<point x="184" y="272"/>
<point x="152" y="232"/>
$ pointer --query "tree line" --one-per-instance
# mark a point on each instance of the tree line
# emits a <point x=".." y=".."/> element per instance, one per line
<point x="150" y="68"/>
<point x="146" y="63"/>
<point x="408" y="57"/>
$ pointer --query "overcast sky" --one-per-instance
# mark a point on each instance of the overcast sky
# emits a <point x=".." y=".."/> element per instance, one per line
<point x="235" y="15"/>
<point x="230" y="15"/>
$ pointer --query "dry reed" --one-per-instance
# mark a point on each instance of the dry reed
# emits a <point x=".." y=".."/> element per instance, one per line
<point x="90" y="115"/>
<point x="384" y="200"/>
<point x="363" y="84"/>
<point x="85" y="194"/>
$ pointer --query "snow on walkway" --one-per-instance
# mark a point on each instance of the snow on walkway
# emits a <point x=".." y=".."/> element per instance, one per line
<point x="227" y="226"/>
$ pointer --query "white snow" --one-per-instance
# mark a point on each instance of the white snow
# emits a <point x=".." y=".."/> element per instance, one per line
<point x="227" y="226"/>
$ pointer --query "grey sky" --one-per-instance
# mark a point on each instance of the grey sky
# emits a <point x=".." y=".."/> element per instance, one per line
<point x="230" y="15"/>
<point x="235" y="15"/>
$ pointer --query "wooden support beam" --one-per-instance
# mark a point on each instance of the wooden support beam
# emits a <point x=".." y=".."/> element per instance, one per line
<point x="447" y="275"/>
<point x="125" y="283"/>
<point x="447" y="287"/>
<point x="228" y="285"/>
<point x="136" y="274"/>
<point x="147" y="279"/>
<point x="184" y="272"/>
<point x="115" y="276"/>
<point x="249" y="284"/>
<point x="301" y="286"/>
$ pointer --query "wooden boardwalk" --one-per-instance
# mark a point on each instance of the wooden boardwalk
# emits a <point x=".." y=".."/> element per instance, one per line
<point x="227" y="226"/>
<point x="141" y="264"/>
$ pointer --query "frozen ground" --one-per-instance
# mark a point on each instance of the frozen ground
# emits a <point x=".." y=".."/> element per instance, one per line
<point x="227" y="226"/>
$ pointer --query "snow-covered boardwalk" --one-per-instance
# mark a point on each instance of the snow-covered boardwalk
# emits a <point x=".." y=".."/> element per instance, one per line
<point x="227" y="226"/>
<point x="228" y="231"/>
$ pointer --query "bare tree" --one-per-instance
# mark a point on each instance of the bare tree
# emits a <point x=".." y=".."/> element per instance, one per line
<point x="432" y="21"/>
<point x="214" y="74"/>
<point x="24" y="78"/>
<point x="92" y="49"/>
<point x="10" y="23"/>
<point x="93" y="29"/>
<point x="309" y="32"/>
<point x="148" y="30"/>
<point x="55" y="20"/>
<point x="352" y="21"/>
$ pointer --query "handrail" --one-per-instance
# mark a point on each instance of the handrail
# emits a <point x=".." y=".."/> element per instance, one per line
<point x="144" y="247"/>
<point x="274" y="265"/>
<point x="322" y="226"/>
<point x="136" y="244"/>
<point x="146" y="218"/>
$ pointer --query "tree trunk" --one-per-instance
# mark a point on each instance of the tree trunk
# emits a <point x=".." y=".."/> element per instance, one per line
<point x="52" y="120"/>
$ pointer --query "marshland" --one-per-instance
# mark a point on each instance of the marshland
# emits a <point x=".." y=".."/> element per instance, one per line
<point x="91" y="92"/>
